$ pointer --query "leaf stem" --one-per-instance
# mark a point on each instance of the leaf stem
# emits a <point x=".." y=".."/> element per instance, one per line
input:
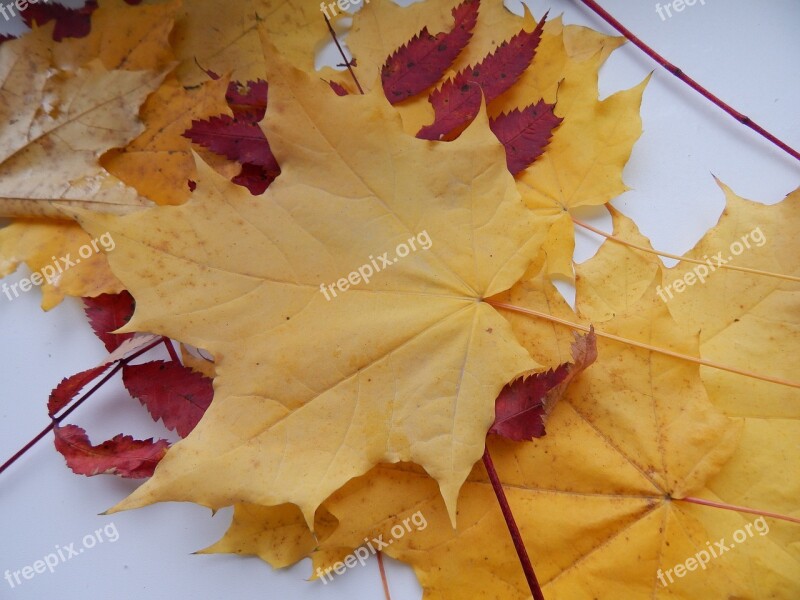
<point x="681" y="258"/>
<point x="516" y="536"/>
<point x="341" y="51"/>
<point x="57" y="420"/>
<point x="744" y="509"/>
<point x="664" y="351"/>
<point x="171" y="349"/>
<point x="383" y="576"/>
<point x="677" y="72"/>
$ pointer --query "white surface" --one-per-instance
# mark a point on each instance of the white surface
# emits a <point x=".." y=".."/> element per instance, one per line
<point x="746" y="52"/>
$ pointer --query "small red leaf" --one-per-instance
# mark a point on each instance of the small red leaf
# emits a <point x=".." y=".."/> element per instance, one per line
<point x="239" y="137"/>
<point x="493" y="75"/>
<point x="237" y="140"/>
<point x="524" y="404"/>
<point x="107" y="313"/>
<point x="241" y="141"/>
<point x="502" y="68"/>
<point x="338" y="88"/>
<point x="122" y="455"/>
<point x="248" y="102"/>
<point x="69" y="387"/>
<point x="70" y="22"/>
<point x="417" y="65"/>
<point x="171" y="392"/>
<point x="525" y="133"/>
<point x="255" y="178"/>
<point x="455" y="108"/>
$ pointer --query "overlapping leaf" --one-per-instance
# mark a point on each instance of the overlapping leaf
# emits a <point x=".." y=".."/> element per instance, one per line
<point x="51" y="151"/>
<point x="417" y="65"/>
<point x="107" y="313"/>
<point x="122" y="455"/>
<point x="302" y="230"/>
<point x="634" y="432"/>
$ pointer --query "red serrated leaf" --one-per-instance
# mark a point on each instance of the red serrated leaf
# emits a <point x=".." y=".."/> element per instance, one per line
<point x="121" y="455"/>
<point x="69" y="387"/>
<point x="417" y="65"/>
<point x="255" y="178"/>
<point x="502" y="68"/>
<point x="239" y="137"/>
<point x="338" y="88"/>
<point x="70" y="22"/>
<point x="453" y="105"/>
<point x="455" y="108"/>
<point x="235" y="139"/>
<point x="524" y="404"/>
<point x="171" y="392"/>
<point x="249" y="101"/>
<point x="525" y="133"/>
<point x="107" y="313"/>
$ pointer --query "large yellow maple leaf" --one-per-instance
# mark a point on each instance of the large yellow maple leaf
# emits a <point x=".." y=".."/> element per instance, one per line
<point x="595" y="497"/>
<point x="757" y="329"/>
<point x="754" y="329"/>
<point x="403" y="366"/>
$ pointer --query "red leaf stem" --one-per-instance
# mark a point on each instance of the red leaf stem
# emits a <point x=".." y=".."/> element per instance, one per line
<point x="516" y="537"/>
<point x="57" y="420"/>
<point x="171" y="349"/>
<point x="341" y="51"/>
<point x="677" y="72"/>
<point x="384" y="580"/>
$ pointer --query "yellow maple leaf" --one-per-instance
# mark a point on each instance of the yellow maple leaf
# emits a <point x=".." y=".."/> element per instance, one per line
<point x="227" y="41"/>
<point x="47" y="247"/>
<point x="159" y="163"/>
<point x="583" y="162"/>
<point x="245" y="278"/>
<point x="634" y="432"/>
<point x="756" y="328"/>
<point x="122" y="36"/>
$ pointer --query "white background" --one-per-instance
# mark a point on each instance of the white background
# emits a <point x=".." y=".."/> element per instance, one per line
<point x="745" y="51"/>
